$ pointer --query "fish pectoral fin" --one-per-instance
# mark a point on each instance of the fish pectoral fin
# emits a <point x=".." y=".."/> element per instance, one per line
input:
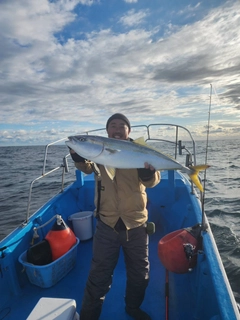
<point x="194" y="175"/>
<point x="111" y="172"/>
<point x="111" y="151"/>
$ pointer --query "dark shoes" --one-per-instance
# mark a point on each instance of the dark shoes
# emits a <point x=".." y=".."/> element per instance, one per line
<point x="137" y="314"/>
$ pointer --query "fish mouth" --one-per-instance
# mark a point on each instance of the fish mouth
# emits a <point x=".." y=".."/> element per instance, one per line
<point x="91" y="149"/>
<point x="71" y="140"/>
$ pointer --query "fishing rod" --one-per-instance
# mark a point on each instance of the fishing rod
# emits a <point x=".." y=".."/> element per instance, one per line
<point x="167" y="295"/>
<point x="179" y="236"/>
<point x="204" y="225"/>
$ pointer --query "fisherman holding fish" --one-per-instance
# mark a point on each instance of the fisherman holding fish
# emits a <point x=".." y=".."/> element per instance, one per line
<point x="121" y="202"/>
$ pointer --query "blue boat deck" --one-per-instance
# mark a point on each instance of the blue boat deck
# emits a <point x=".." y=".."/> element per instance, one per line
<point x="72" y="286"/>
<point x="200" y="294"/>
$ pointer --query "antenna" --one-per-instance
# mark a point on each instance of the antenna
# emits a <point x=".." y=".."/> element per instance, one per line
<point x="204" y="226"/>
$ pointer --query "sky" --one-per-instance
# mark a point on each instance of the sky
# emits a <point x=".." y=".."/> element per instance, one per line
<point x="67" y="65"/>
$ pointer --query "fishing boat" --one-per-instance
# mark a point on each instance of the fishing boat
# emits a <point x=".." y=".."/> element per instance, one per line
<point x="187" y="277"/>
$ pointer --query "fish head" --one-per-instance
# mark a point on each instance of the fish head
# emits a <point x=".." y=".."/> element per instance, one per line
<point x="88" y="147"/>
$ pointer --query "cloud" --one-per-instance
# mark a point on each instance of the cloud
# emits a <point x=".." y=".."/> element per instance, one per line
<point x="31" y="21"/>
<point x="133" y="18"/>
<point x="164" y="71"/>
<point x="131" y="1"/>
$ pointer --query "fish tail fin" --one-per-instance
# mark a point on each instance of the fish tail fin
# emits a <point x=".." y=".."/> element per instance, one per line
<point x="194" y="175"/>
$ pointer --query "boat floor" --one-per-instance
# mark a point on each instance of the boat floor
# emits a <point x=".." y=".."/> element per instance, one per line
<point x="72" y="286"/>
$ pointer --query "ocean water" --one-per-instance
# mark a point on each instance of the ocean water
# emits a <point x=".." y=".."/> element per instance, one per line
<point x="20" y="165"/>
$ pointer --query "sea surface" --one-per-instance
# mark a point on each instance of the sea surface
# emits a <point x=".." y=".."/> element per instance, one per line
<point x="19" y="166"/>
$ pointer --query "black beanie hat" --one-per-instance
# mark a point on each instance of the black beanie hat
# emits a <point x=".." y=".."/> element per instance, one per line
<point x="121" y="117"/>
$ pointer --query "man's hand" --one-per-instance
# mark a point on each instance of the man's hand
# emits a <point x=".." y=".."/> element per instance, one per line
<point x="149" y="166"/>
<point x="75" y="156"/>
<point x="147" y="172"/>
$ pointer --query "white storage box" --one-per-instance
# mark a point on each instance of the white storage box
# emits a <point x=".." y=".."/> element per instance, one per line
<point x="54" y="308"/>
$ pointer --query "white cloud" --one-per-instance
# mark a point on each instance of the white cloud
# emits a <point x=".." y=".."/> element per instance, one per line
<point x="31" y="21"/>
<point x="87" y="80"/>
<point x="133" y="18"/>
<point x="131" y="1"/>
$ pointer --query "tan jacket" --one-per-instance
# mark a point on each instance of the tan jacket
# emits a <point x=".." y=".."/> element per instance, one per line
<point x="123" y="197"/>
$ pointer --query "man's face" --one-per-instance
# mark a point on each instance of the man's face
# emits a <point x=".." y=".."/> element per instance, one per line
<point x="118" y="129"/>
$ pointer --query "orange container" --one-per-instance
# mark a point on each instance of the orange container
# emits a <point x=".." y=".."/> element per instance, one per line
<point x="61" y="239"/>
<point x="172" y="250"/>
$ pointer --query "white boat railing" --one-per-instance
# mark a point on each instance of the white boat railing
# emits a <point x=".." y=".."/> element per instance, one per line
<point x="63" y="166"/>
<point x="136" y="129"/>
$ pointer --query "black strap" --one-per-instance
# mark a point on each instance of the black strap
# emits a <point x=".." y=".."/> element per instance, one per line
<point x="99" y="187"/>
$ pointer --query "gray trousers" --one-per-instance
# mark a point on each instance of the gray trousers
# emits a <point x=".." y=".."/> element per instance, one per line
<point x="106" y="248"/>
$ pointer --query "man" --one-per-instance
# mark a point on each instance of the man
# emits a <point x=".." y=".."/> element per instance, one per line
<point x="122" y="216"/>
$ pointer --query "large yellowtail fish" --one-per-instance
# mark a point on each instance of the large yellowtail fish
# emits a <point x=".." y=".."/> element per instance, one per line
<point x="123" y="154"/>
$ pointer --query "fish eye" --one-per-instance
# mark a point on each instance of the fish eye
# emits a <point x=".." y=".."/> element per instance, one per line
<point x="82" y="139"/>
